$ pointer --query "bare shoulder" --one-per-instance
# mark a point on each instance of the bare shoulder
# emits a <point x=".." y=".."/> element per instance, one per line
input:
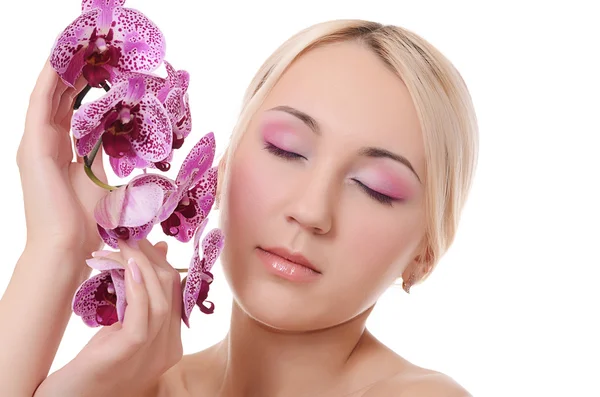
<point x="420" y="383"/>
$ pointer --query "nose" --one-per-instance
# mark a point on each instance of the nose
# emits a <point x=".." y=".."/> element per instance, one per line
<point x="311" y="205"/>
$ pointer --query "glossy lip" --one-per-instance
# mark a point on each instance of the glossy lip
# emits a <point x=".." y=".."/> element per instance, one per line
<point x="296" y="258"/>
<point x="297" y="270"/>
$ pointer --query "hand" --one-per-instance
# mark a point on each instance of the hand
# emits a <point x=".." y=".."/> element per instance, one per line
<point x="59" y="197"/>
<point x="126" y="359"/>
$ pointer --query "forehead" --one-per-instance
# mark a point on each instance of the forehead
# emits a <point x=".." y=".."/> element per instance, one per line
<point x="354" y="97"/>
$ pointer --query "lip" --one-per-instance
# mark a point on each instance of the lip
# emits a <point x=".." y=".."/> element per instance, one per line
<point x="286" y="264"/>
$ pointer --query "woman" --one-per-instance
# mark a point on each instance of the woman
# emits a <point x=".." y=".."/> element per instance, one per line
<point x="348" y="168"/>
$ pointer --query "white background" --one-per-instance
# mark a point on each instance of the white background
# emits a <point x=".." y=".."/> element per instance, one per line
<point x="512" y="309"/>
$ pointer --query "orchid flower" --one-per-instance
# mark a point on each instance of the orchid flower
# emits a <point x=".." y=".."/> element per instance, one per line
<point x="104" y="40"/>
<point x="134" y="126"/>
<point x="172" y="93"/>
<point x="100" y="300"/>
<point x="196" y="191"/>
<point x="131" y="211"/>
<point x="199" y="277"/>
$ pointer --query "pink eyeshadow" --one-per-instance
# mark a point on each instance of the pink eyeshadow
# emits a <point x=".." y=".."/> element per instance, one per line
<point x="385" y="182"/>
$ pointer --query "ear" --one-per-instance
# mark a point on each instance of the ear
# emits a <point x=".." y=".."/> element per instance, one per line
<point x="419" y="268"/>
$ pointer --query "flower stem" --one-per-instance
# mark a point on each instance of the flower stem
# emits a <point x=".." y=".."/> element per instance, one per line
<point x="182" y="270"/>
<point x="84" y="92"/>
<point x="88" y="161"/>
<point x="94" y="178"/>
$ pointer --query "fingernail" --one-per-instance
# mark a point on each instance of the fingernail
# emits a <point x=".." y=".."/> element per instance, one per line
<point x="101" y="253"/>
<point x="135" y="270"/>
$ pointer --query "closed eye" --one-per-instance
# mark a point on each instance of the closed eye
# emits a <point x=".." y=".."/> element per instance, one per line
<point x="380" y="197"/>
<point x="282" y="153"/>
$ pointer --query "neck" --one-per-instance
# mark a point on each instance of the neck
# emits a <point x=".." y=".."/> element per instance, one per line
<point x="261" y="361"/>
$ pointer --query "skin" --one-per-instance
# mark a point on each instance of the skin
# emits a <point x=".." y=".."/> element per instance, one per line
<point x="308" y="338"/>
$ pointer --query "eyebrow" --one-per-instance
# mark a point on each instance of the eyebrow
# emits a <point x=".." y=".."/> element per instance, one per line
<point x="368" y="151"/>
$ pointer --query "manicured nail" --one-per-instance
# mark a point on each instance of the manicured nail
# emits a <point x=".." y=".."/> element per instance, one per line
<point x="135" y="270"/>
<point x="101" y="253"/>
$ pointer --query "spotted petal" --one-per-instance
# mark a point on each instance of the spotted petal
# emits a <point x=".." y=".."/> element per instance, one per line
<point x="155" y="138"/>
<point x="199" y="275"/>
<point x="96" y="303"/>
<point x="202" y="197"/>
<point x="124" y="166"/>
<point x="88" y="119"/>
<point x="68" y="50"/>
<point x="143" y="43"/>
<point x="87" y="5"/>
<point x="199" y="159"/>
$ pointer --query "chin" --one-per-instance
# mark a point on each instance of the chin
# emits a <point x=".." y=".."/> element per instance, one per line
<point x="276" y="302"/>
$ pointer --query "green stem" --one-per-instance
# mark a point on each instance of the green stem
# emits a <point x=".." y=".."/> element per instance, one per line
<point x="94" y="178"/>
<point x="182" y="270"/>
<point x="89" y="160"/>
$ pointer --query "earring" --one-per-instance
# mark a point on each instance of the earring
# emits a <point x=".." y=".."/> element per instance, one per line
<point x="407" y="284"/>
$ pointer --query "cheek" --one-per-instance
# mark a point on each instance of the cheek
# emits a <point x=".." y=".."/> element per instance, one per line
<point x="252" y="192"/>
<point x="382" y="244"/>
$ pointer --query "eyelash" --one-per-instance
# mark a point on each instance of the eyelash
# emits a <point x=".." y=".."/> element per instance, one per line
<point x="382" y="198"/>
<point x="282" y="153"/>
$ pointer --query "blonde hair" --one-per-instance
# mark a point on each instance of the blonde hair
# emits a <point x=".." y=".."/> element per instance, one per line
<point x="439" y="94"/>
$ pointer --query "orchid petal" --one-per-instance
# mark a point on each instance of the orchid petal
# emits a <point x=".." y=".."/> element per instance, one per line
<point x="69" y="43"/>
<point x="91" y="298"/>
<point x="203" y="197"/>
<point x="199" y="159"/>
<point x="142" y="204"/>
<point x="109" y="208"/>
<point x="136" y="89"/>
<point x="199" y="275"/>
<point x="108" y="239"/>
<point x="175" y="105"/>
<point x="155" y="138"/>
<point x="184" y="125"/>
<point x="194" y="277"/>
<point x="87" y="5"/>
<point x="118" y="278"/>
<point x="125" y="165"/>
<point x="104" y="263"/>
<point x="90" y="115"/>
<point x="86" y="143"/>
<point x="212" y="245"/>
<point x="143" y="42"/>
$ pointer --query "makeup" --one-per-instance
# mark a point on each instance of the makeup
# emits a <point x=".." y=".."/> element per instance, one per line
<point x="291" y="268"/>
<point x="384" y="181"/>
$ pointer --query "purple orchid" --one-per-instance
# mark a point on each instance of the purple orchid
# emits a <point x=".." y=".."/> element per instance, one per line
<point x="134" y="126"/>
<point x="131" y="211"/>
<point x="172" y="93"/>
<point x="104" y="40"/>
<point x="199" y="277"/>
<point x="196" y="191"/>
<point x="100" y="300"/>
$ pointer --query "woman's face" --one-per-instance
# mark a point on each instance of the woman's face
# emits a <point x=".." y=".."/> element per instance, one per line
<point x="329" y="169"/>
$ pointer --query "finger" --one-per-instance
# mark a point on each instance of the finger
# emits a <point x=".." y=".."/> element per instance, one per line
<point x="155" y="255"/>
<point x="134" y="332"/>
<point x="169" y="338"/>
<point x="78" y="158"/>
<point x="66" y="102"/>
<point x="41" y="98"/>
<point x="159" y="304"/>
<point x="162" y="247"/>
